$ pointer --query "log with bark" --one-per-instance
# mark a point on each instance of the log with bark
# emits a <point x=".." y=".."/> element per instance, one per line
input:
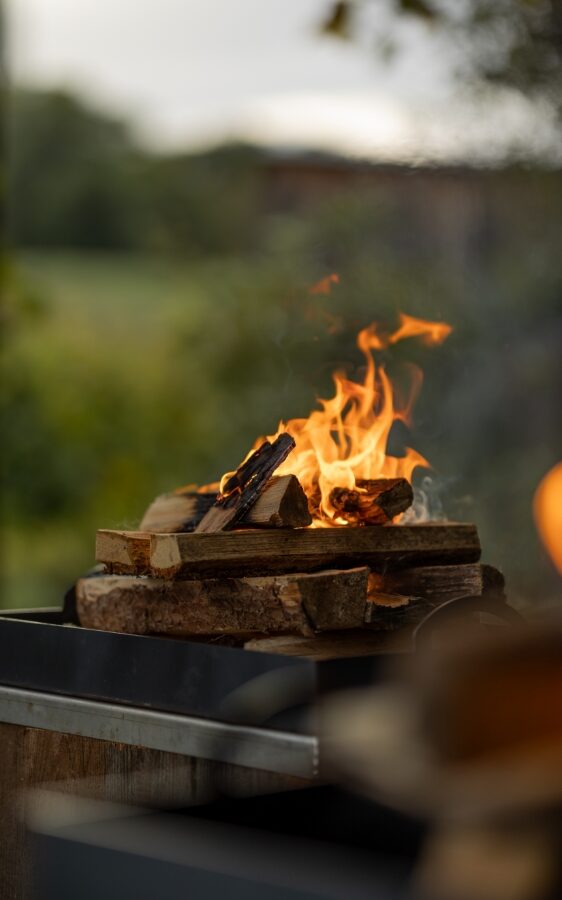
<point x="297" y="604"/>
<point x="282" y="504"/>
<point x="394" y="612"/>
<point x="372" y="501"/>
<point x="241" y="490"/>
<point x="439" y="583"/>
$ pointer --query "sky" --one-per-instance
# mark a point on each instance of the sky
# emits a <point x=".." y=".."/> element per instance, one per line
<point x="192" y="72"/>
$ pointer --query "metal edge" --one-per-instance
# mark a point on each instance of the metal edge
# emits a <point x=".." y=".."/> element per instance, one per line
<point x="273" y="751"/>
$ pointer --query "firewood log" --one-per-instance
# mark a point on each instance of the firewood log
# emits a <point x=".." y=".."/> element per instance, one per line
<point x="244" y="487"/>
<point x="393" y="612"/>
<point x="123" y="552"/>
<point x="279" y="604"/>
<point x="439" y="583"/>
<point x="372" y="501"/>
<point x="278" y="550"/>
<point x="282" y="504"/>
<point x="395" y="546"/>
<point x="179" y="510"/>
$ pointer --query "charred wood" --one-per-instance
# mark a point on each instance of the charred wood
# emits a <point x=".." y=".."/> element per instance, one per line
<point x="242" y="489"/>
<point x="372" y="501"/>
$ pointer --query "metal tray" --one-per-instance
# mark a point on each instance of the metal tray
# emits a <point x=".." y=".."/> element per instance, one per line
<point x="40" y="651"/>
<point x="46" y="650"/>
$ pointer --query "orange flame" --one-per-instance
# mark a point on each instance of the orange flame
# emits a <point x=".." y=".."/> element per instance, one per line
<point x="324" y="286"/>
<point x="346" y="439"/>
<point x="547" y="507"/>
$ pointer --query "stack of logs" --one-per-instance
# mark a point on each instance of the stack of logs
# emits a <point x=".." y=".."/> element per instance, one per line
<point x="243" y="569"/>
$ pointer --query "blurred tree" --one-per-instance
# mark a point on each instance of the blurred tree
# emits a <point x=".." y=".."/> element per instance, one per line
<point x="69" y="171"/>
<point x="203" y="203"/>
<point x="514" y="43"/>
<point x="77" y="179"/>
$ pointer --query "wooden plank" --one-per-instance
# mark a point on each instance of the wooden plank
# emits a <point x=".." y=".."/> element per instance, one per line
<point x="301" y="604"/>
<point x="104" y="770"/>
<point x="263" y="552"/>
<point x="13" y="874"/>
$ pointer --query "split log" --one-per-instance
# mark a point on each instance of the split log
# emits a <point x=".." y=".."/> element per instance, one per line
<point x="242" y="489"/>
<point x="282" y="504"/>
<point x="394" y="612"/>
<point x="274" y="551"/>
<point x="395" y="546"/>
<point x="297" y="604"/>
<point x="372" y="501"/>
<point x="439" y="583"/>
<point x="124" y="552"/>
<point x="179" y="510"/>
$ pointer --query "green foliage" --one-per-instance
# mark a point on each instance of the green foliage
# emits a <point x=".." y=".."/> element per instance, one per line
<point x="70" y="181"/>
<point x="512" y="43"/>
<point x="77" y="179"/>
<point x="201" y="204"/>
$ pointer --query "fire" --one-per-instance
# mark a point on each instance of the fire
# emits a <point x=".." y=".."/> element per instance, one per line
<point x="346" y="438"/>
<point x="548" y="513"/>
<point x="324" y="286"/>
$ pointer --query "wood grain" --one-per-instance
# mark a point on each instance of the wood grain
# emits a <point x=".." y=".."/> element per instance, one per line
<point x="241" y="490"/>
<point x="104" y="770"/>
<point x="380" y="548"/>
<point x="440" y="583"/>
<point x="123" y="551"/>
<point x="297" y="604"/>
<point x="282" y="504"/>
<point x="266" y="552"/>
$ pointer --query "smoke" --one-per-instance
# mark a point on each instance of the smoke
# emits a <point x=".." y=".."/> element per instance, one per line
<point x="428" y="501"/>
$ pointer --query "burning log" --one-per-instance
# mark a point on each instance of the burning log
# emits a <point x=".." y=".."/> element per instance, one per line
<point x="242" y="489"/>
<point x="372" y="501"/>
<point x="282" y="504"/>
<point x="280" y="604"/>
